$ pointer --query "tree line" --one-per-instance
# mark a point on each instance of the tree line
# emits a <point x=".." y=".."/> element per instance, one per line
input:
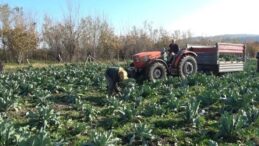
<point x="77" y="39"/>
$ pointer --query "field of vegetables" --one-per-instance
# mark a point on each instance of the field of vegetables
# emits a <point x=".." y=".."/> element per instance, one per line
<point x="68" y="105"/>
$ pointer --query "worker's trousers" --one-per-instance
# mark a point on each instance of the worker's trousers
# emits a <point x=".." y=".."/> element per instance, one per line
<point x="112" y="86"/>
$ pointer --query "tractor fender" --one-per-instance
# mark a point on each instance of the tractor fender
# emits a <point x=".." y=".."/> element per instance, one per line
<point x="185" y="53"/>
<point x="157" y="60"/>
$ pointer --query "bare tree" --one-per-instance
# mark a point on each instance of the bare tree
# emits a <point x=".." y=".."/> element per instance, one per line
<point x="18" y="32"/>
<point x="71" y="30"/>
<point x="5" y="13"/>
<point x="51" y="36"/>
<point x="109" y="43"/>
<point x="163" y="40"/>
<point x="63" y="37"/>
<point x="90" y="35"/>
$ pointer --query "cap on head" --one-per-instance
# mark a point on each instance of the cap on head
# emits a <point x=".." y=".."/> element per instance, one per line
<point x="123" y="74"/>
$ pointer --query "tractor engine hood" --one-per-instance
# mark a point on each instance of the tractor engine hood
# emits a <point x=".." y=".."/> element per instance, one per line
<point x="140" y="59"/>
<point x="145" y="56"/>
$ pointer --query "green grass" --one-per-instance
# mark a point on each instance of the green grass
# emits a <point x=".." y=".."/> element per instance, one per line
<point x="10" y="67"/>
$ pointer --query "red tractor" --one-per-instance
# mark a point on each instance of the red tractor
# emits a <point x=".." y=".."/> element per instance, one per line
<point x="218" y="58"/>
<point x="157" y="65"/>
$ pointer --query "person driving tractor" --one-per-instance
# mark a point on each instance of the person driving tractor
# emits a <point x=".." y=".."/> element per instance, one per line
<point x="173" y="50"/>
<point x="173" y="47"/>
<point x="113" y="76"/>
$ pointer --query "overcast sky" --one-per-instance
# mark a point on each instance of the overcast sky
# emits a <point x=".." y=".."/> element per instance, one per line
<point x="201" y="17"/>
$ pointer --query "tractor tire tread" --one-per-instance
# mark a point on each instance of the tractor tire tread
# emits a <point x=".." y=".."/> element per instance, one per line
<point x="183" y="61"/>
<point x="153" y="66"/>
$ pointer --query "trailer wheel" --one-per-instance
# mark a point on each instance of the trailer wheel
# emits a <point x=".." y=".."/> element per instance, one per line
<point x="187" y="66"/>
<point x="157" y="71"/>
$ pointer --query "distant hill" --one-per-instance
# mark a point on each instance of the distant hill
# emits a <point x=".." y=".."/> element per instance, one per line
<point x="245" y="38"/>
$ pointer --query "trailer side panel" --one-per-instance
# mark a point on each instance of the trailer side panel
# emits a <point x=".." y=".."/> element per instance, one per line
<point x="207" y="55"/>
<point x="230" y="67"/>
<point x="216" y="58"/>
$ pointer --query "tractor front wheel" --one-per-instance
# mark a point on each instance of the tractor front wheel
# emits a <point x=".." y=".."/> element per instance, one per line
<point x="187" y="66"/>
<point x="157" y="71"/>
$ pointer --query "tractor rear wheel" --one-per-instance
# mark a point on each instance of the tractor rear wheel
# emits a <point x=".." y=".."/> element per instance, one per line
<point x="187" y="66"/>
<point x="157" y="71"/>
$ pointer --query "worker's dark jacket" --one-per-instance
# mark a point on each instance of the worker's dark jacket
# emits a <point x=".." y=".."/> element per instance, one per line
<point x="113" y="73"/>
<point x="113" y="78"/>
<point x="173" y="48"/>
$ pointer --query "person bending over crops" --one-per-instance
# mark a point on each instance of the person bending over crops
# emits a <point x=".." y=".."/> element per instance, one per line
<point x="114" y="75"/>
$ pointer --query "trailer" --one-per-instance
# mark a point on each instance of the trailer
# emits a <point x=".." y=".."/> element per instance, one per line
<point x="219" y="58"/>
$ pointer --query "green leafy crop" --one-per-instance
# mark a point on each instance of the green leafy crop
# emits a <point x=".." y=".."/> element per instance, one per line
<point x="69" y="105"/>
